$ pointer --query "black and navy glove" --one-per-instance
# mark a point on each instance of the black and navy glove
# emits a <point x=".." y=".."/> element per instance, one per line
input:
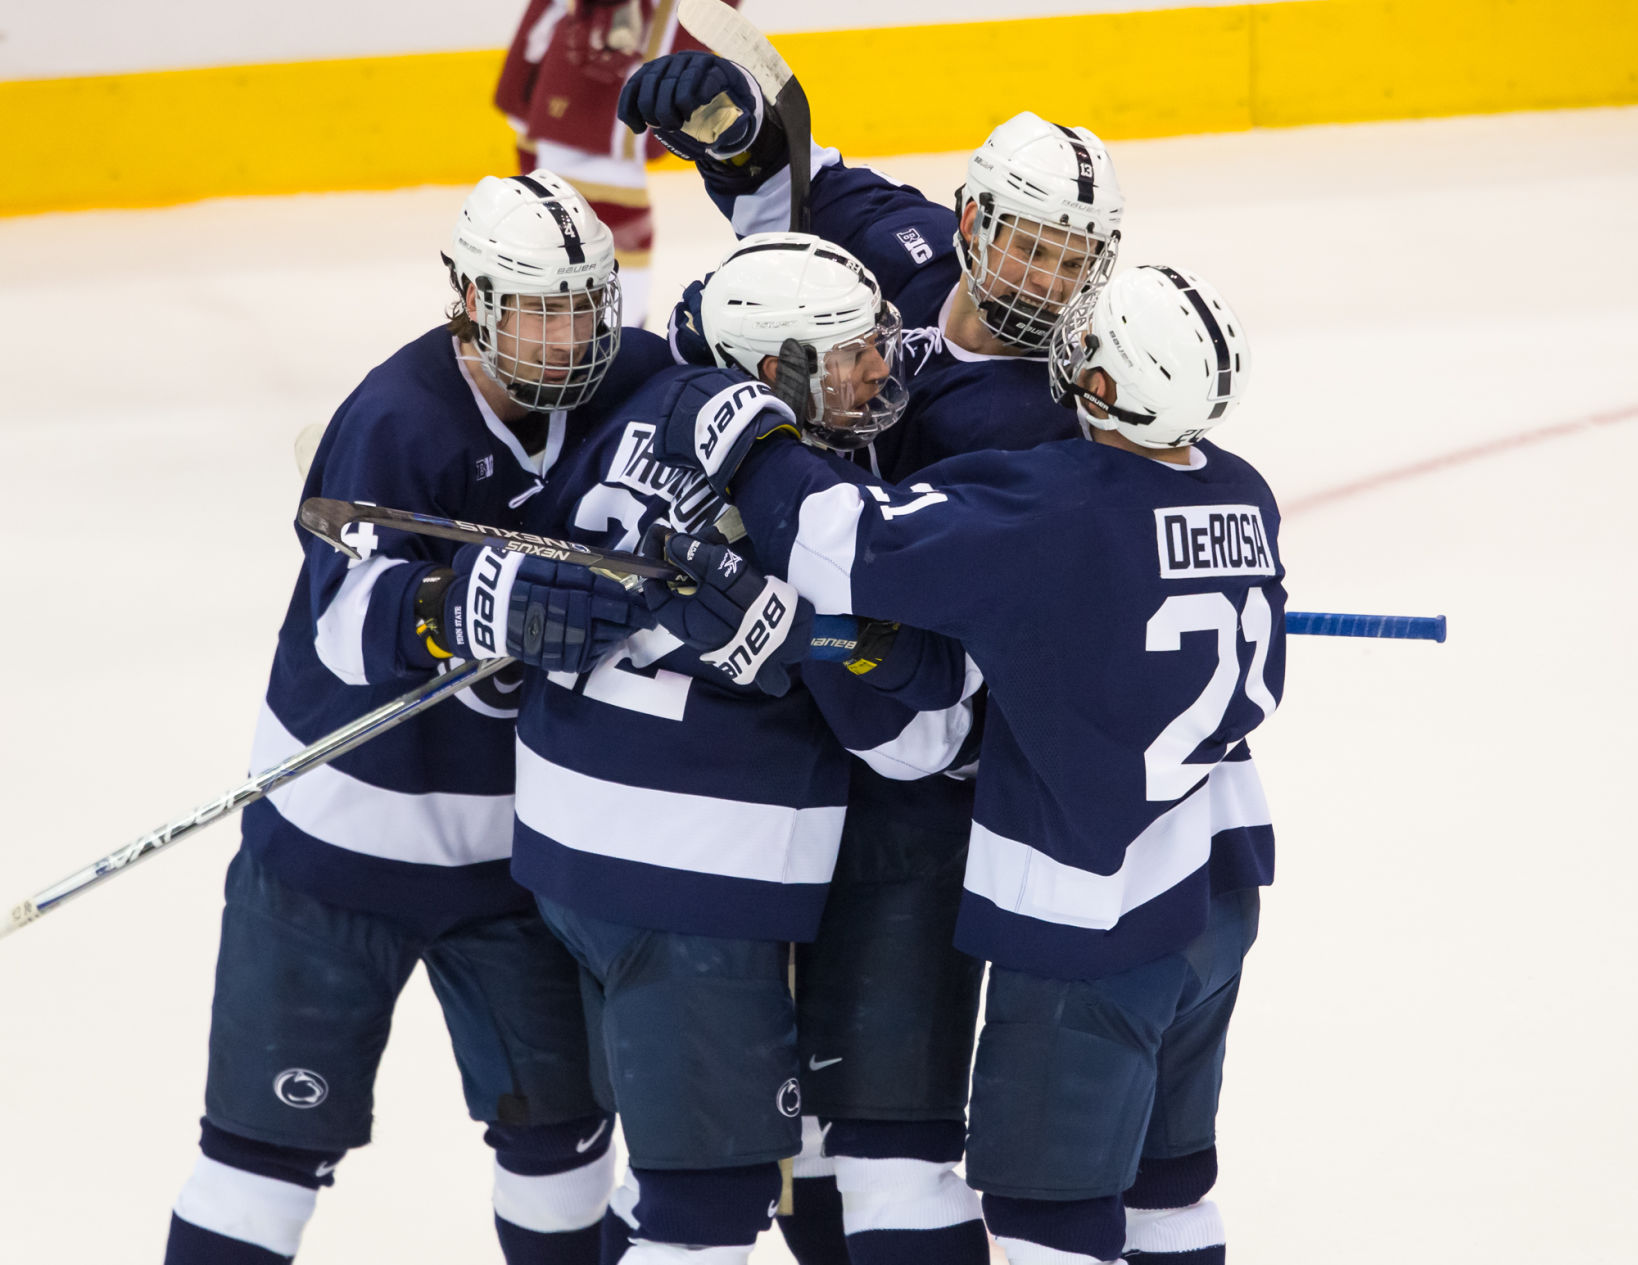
<point x="751" y="627"/>
<point x="710" y="420"/>
<point x="549" y="615"/>
<point x="702" y="107"/>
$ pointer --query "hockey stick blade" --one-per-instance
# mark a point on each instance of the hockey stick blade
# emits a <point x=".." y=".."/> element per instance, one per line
<point x="328" y="518"/>
<point x="728" y="33"/>
<point x="326" y="749"/>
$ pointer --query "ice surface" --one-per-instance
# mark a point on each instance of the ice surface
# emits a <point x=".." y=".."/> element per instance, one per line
<point x="1433" y="1055"/>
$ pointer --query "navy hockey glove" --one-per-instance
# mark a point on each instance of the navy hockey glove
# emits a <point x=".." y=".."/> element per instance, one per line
<point x="710" y="420"/>
<point x="685" y="330"/>
<point x="701" y="106"/>
<point x="550" y="615"/>
<point x="751" y="627"/>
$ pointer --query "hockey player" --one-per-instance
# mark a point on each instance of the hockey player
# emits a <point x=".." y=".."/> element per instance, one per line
<point x="678" y="823"/>
<point x="1120" y="832"/>
<point x="887" y="1006"/>
<point x="558" y="88"/>
<point x="397" y="853"/>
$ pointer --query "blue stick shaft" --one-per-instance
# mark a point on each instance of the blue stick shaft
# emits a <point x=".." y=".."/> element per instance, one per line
<point x="834" y="636"/>
<point x="1404" y="627"/>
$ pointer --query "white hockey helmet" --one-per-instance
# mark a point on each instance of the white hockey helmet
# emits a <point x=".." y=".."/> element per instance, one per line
<point x="773" y="287"/>
<point x="548" y="299"/>
<point x="1174" y="351"/>
<point x="1048" y="225"/>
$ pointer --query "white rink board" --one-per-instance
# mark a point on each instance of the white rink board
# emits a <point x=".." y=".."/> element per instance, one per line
<point x="1432" y="1058"/>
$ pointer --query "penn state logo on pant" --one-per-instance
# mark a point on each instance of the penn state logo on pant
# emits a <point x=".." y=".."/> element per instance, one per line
<point x="790" y="1099"/>
<point x="297" y="1087"/>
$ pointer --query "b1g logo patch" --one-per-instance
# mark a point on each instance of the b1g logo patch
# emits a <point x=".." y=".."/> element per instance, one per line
<point x="1199" y="541"/>
<point x="299" y="1088"/>
<point x="915" y="245"/>
<point x="789" y="1099"/>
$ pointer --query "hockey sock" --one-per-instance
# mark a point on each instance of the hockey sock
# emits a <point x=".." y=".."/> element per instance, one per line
<point x="246" y="1202"/>
<point x="551" y="1186"/>
<point x="1049" y="1232"/>
<point x="901" y="1199"/>
<point x="705" y="1208"/>
<point x="813" y="1230"/>
<point x="1169" y="1220"/>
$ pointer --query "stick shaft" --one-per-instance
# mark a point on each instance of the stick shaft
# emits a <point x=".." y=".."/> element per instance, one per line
<point x="1397" y="627"/>
<point x="327" y="748"/>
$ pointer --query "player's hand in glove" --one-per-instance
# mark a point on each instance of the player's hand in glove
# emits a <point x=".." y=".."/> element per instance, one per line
<point x="712" y="418"/>
<point x="701" y="106"/>
<point x="751" y="627"/>
<point x="685" y="329"/>
<point x="550" y="615"/>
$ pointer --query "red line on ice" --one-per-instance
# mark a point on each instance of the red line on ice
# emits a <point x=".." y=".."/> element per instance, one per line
<point x="1460" y="457"/>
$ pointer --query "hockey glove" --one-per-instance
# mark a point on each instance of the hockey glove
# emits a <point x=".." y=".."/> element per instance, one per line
<point x="711" y="419"/>
<point x="702" y="107"/>
<point x="685" y="330"/>
<point x="550" y="615"/>
<point x="751" y="627"/>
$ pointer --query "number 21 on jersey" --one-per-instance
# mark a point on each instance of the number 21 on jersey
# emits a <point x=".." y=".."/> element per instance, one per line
<point x="1166" y="775"/>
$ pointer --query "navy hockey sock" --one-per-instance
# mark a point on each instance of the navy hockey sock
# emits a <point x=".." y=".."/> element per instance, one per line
<point x="1169" y="1220"/>
<point x="901" y="1199"/>
<point x="193" y="1245"/>
<point x="551" y="1189"/>
<point x="246" y="1202"/>
<point x="1048" y="1232"/>
<point x="813" y="1231"/>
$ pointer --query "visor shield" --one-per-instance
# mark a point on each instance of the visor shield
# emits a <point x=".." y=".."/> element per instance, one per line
<point x="861" y="388"/>
<point x="551" y="351"/>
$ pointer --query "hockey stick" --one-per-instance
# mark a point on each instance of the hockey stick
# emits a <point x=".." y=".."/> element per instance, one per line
<point x="327" y="518"/>
<point x="728" y="33"/>
<point x="327" y="748"/>
<point x="1397" y="627"/>
<point x="834" y="636"/>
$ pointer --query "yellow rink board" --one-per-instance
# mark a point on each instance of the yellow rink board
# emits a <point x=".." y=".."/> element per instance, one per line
<point x="386" y="122"/>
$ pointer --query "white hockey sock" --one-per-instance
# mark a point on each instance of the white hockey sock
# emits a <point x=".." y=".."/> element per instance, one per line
<point x="645" y="1253"/>
<point x="1190" y="1229"/>
<point x="902" y="1194"/>
<point x="246" y="1206"/>
<point x="558" y="1202"/>
<point x="1022" y="1252"/>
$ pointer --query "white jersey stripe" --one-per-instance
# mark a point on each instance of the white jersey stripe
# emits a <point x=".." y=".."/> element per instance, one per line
<point x="339" y="637"/>
<point x="436" y="828"/>
<point x="821" y="561"/>
<point x="1022" y="880"/>
<point x="697" y="833"/>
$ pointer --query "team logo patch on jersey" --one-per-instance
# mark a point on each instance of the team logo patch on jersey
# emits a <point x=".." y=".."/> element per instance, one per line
<point x="1200" y="541"/>
<point x="486" y="466"/>
<point x="693" y="503"/>
<point x="915" y="245"/>
<point x="299" y="1088"/>
<point x="789" y="1099"/>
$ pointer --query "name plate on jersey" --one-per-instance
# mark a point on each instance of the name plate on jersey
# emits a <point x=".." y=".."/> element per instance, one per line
<point x="1197" y="542"/>
<point x="693" y="503"/>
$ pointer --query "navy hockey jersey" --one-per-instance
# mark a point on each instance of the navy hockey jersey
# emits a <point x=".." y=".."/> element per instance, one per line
<point x="653" y="791"/>
<point x="416" y="823"/>
<point x="1128" y="617"/>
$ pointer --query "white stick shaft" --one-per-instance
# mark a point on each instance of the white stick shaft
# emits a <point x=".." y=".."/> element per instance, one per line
<point x="327" y="748"/>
